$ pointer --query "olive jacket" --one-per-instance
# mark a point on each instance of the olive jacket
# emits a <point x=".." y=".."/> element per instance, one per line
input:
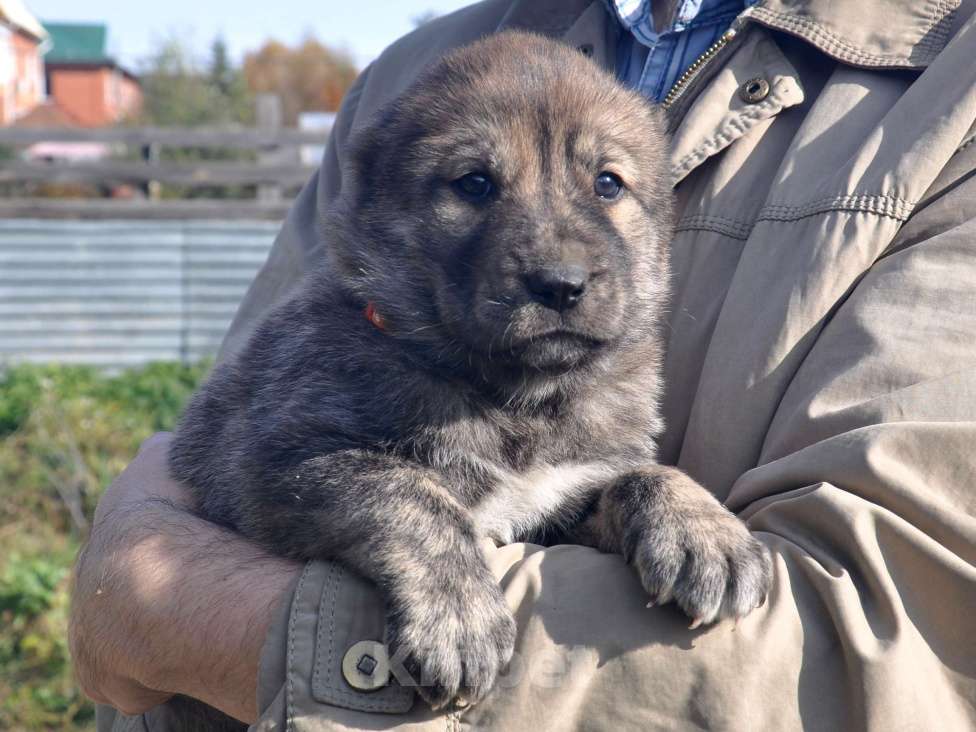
<point x="821" y="379"/>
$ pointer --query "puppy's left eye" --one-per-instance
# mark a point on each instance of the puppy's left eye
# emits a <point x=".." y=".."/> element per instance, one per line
<point x="608" y="185"/>
<point x="474" y="186"/>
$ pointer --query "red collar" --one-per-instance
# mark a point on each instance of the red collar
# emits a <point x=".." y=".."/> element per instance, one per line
<point x="374" y="317"/>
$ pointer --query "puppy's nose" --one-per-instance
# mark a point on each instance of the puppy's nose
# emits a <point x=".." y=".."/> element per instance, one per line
<point x="559" y="287"/>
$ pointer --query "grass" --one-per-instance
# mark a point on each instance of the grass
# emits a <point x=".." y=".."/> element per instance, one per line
<point x="65" y="433"/>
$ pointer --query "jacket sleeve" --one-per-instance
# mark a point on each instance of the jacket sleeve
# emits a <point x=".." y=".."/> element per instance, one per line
<point x="865" y="494"/>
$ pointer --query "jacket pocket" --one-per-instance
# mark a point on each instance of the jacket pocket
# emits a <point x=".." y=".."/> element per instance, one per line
<point x="349" y="668"/>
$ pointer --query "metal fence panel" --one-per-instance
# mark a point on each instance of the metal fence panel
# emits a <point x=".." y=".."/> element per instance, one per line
<point x="123" y="293"/>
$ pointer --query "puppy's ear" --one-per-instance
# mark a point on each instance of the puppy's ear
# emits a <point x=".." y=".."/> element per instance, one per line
<point x="347" y="229"/>
<point x="363" y="152"/>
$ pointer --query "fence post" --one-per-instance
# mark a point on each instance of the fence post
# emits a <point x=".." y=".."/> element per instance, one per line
<point x="150" y="153"/>
<point x="270" y="118"/>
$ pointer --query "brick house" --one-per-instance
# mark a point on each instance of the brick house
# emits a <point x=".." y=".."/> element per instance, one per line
<point x="23" y="42"/>
<point x="84" y="81"/>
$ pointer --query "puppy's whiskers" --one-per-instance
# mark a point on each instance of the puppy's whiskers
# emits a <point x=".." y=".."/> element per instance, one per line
<point x="422" y="328"/>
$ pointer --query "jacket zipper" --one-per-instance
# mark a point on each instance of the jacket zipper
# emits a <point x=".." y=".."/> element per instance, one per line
<point x="681" y="85"/>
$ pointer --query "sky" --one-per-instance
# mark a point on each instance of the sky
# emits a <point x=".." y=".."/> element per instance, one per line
<point x="361" y="27"/>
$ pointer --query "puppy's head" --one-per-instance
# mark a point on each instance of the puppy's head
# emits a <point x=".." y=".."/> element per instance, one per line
<point x="510" y="209"/>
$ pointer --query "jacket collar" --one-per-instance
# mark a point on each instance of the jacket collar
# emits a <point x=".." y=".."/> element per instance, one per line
<point x="904" y="34"/>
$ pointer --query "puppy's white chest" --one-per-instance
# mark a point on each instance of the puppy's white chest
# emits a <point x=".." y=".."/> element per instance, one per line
<point x="521" y="502"/>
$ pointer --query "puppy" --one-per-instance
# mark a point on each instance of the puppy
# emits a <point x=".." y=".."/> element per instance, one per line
<point x="479" y="357"/>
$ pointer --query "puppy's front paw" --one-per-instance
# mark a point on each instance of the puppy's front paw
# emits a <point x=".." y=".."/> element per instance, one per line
<point x="695" y="552"/>
<point x="453" y="643"/>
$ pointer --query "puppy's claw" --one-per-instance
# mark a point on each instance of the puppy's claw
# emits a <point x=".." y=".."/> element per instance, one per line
<point x="696" y="623"/>
<point x="652" y="603"/>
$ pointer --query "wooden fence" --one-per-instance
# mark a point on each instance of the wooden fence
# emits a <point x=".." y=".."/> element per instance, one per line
<point x="137" y="158"/>
<point x="121" y="282"/>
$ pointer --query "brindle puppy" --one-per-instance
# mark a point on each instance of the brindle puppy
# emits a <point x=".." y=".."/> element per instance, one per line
<point x="479" y="357"/>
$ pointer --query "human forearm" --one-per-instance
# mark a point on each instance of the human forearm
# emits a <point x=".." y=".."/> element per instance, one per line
<point x="166" y="603"/>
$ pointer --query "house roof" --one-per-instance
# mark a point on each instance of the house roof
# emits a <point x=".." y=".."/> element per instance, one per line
<point x="16" y="14"/>
<point x="83" y="43"/>
<point x="48" y="114"/>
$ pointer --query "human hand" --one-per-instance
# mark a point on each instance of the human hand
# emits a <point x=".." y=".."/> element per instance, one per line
<point x="165" y="602"/>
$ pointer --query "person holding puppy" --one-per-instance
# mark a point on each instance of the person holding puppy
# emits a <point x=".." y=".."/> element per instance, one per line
<point x="819" y="380"/>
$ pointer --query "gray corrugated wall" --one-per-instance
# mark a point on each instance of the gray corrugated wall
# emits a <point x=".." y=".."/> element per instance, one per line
<point x="123" y="293"/>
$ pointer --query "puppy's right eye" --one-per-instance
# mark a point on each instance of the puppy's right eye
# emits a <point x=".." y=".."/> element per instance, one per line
<point x="474" y="186"/>
<point x="608" y="185"/>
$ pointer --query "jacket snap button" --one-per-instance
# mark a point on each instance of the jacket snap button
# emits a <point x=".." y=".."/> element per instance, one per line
<point x="366" y="666"/>
<point x="754" y="90"/>
<point x="586" y="49"/>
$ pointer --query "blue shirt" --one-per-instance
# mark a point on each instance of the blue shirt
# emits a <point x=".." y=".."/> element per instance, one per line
<point x="652" y="62"/>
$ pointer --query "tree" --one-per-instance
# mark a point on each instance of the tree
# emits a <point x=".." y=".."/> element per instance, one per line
<point x="228" y="80"/>
<point x="222" y="74"/>
<point x="174" y="93"/>
<point x="309" y="78"/>
<point x="178" y="90"/>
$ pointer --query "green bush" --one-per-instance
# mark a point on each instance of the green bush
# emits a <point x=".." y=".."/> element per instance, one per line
<point x="65" y="432"/>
